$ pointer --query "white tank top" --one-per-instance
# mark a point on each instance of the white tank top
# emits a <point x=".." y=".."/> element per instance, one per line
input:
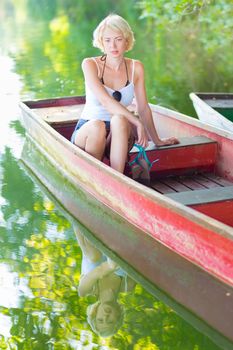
<point x="93" y="108"/>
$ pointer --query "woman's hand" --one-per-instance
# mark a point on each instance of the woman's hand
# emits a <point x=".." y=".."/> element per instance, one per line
<point x="167" y="142"/>
<point x="142" y="138"/>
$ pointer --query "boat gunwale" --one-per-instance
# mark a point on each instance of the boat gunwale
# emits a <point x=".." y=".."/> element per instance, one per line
<point x="193" y="121"/>
<point x="209" y="95"/>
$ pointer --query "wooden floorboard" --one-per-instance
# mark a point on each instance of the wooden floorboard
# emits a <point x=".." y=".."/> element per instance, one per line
<point x="175" y="185"/>
<point x="204" y="181"/>
<point x="161" y="187"/>
<point x="217" y="179"/>
<point x="191" y="183"/>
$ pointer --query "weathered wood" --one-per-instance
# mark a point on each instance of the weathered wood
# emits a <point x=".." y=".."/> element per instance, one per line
<point x="221" y="211"/>
<point x="54" y="115"/>
<point x="176" y="184"/>
<point x="213" y="102"/>
<point x="162" y="187"/>
<point x="214" y="109"/>
<point x="192" y="154"/>
<point x="204" y="181"/>
<point x="183" y="142"/>
<point x="151" y="262"/>
<point x="210" y="195"/>
<point x="167" y="229"/>
<point x="218" y="179"/>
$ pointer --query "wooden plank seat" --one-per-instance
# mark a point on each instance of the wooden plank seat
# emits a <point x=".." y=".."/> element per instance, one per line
<point x="210" y="194"/>
<point x="191" y="155"/>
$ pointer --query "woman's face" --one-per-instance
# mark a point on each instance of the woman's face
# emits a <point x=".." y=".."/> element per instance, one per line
<point x="114" y="43"/>
<point x="107" y="316"/>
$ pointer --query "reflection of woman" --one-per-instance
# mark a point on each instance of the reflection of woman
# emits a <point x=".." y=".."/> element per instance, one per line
<point x="112" y="81"/>
<point x="102" y="277"/>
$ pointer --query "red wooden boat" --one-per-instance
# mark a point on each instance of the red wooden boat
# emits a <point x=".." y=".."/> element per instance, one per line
<point x="178" y="232"/>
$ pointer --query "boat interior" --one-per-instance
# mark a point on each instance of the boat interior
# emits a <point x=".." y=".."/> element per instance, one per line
<point x="185" y="172"/>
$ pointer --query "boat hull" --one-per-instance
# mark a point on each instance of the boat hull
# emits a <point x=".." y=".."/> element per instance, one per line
<point x="185" y="253"/>
<point x="197" y="296"/>
<point x="214" y="109"/>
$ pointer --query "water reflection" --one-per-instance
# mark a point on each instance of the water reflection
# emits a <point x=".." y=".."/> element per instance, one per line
<point x="41" y="265"/>
<point x="103" y="278"/>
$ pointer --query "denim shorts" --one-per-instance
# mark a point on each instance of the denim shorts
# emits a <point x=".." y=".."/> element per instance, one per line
<point x="81" y="122"/>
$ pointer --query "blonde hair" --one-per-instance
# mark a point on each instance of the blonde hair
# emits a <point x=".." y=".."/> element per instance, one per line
<point x="113" y="22"/>
<point x="91" y="318"/>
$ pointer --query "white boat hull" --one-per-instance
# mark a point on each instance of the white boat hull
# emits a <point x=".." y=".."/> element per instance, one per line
<point x="210" y="116"/>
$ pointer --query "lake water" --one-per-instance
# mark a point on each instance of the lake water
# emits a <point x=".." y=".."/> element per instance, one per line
<point x="41" y="49"/>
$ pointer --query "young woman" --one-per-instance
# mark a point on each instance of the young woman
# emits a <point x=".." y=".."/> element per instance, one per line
<point x="112" y="81"/>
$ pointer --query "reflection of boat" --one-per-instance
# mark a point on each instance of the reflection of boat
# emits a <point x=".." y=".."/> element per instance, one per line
<point x="33" y="159"/>
<point x="187" y="254"/>
<point x="214" y="108"/>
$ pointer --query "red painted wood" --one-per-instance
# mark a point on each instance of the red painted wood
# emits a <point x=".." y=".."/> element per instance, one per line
<point x="56" y="102"/>
<point x="222" y="211"/>
<point x="66" y="130"/>
<point x="170" y="124"/>
<point x="194" y="157"/>
<point x="174" y="229"/>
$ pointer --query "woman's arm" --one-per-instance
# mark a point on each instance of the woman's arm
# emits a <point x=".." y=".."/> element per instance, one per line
<point x="88" y="281"/>
<point x="108" y="102"/>
<point x="144" y="110"/>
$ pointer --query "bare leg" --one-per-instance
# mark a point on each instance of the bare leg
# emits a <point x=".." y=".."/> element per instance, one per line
<point x="120" y="133"/>
<point x="91" y="137"/>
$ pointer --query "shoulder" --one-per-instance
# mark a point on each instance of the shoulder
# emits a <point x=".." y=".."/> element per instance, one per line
<point x="88" y="61"/>
<point x="139" y="67"/>
<point x="138" y="71"/>
<point x="91" y="67"/>
<point x="136" y="63"/>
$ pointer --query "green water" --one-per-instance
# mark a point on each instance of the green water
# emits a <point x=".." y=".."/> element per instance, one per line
<point x="41" y="47"/>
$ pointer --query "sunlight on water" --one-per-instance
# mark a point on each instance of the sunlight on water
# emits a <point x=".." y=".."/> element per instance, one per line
<point x="10" y="86"/>
<point x="12" y="288"/>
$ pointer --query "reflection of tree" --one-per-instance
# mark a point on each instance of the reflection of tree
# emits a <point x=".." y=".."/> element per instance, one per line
<point x="57" y="314"/>
<point x="25" y="210"/>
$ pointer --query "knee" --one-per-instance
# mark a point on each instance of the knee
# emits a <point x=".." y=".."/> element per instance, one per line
<point x="119" y="123"/>
<point x="98" y="129"/>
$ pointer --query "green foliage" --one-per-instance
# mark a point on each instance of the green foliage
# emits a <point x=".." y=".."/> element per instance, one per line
<point x="190" y="49"/>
